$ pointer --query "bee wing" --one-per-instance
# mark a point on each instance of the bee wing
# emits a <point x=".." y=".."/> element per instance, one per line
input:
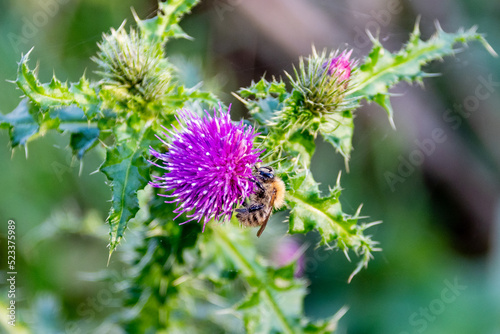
<point x="271" y="203"/>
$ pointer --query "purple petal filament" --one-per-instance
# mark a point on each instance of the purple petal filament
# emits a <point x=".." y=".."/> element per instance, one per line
<point x="209" y="165"/>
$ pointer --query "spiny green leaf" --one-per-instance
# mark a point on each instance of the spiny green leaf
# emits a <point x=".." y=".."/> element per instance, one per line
<point x="263" y="89"/>
<point x="311" y="211"/>
<point x="21" y="123"/>
<point x="165" y="25"/>
<point x="127" y="170"/>
<point x="182" y="95"/>
<point x="27" y="121"/>
<point x="85" y="96"/>
<point x="56" y="94"/>
<point x="337" y="129"/>
<point x="383" y="69"/>
<point x="84" y="134"/>
<point x="301" y="146"/>
<point x="264" y="99"/>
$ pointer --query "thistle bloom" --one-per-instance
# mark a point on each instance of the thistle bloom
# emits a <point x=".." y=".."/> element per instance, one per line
<point x="209" y="165"/>
<point x="341" y="66"/>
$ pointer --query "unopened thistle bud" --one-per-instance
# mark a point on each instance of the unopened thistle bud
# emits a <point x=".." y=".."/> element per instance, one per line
<point x="132" y="67"/>
<point x="340" y="68"/>
<point x="323" y="82"/>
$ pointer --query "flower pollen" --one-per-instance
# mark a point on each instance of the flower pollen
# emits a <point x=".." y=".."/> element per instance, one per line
<point x="209" y="165"/>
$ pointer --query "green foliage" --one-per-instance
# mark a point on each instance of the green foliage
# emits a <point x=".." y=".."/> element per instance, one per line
<point x="311" y="211"/>
<point x="165" y="25"/>
<point x="21" y="123"/>
<point x="382" y="69"/>
<point x="127" y="171"/>
<point x="291" y="121"/>
<point x="56" y="94"/>
<point x="273" y="302"/>
<point x="182" y="281"/>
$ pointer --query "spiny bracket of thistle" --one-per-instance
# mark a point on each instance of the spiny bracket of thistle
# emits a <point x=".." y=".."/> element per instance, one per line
<point x="382" y="69"/>
<point x="134" y="70"/>
<point x="323" y="86"/>
<point x="320" y="100"/>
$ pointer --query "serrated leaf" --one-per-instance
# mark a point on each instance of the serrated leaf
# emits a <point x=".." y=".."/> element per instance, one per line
<point x="338" y="130"/>
<point x="301" y="145"/>
<point x="311" y="211"/>
<point x="383" y="69"/>
<point x="84" y="134"/>
<point x="263" y="88"/>
<point x="264" y="99"/>
<point x="27" y="121"/>
<point x="83" y="141"/>
<point x="165" y="24"/>
<point x="127" y="171"/>
<point x="56" y="93"/>
<point x="21" y="123"/>
<point x="181" y="95"/>
<point x="85" y="96"/>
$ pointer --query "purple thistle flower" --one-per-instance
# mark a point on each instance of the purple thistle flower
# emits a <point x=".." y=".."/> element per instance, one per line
<point x="341" y="66"/>
<point x="209" y="163"/>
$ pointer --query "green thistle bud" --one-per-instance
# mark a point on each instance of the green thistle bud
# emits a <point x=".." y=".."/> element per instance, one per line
<point x="322" y="84"/>
<point x="133" y="68"/>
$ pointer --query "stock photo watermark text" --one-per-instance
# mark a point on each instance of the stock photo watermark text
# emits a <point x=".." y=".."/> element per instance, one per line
<point x="11" y="272"/>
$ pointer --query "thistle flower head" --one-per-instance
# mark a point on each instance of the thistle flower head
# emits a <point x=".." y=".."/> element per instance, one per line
<point x="323" y="81"/>
<point x="132" y="65"/>
<point x="209" y="165"/>
<point x="340" y="66"/>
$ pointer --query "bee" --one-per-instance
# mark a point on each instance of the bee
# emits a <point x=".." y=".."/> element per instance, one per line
<point x="270" y="193"/>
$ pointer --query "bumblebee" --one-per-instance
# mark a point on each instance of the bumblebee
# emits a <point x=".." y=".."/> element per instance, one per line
<point x="270" y="193"/>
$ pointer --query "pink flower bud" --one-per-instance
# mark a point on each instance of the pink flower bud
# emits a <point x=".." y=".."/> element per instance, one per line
<point x="341" y="66"/>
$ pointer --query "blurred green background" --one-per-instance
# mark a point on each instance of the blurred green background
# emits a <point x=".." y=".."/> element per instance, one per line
<point x="441" y="220"/>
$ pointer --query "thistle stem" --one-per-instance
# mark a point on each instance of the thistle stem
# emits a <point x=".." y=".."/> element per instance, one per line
<point x="258" y="281"/>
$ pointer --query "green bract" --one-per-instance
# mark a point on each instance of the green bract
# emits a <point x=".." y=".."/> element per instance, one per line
<point x="175" y="268"/>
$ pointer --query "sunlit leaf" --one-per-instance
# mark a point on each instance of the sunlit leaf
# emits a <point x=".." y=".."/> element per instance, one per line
<point x="382" y="69"/>
<point x="128" y="172"/>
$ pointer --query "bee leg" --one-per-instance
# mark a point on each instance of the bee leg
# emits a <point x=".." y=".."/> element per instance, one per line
<point x="241" y="210"/>
<point x="255" y="208"/>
